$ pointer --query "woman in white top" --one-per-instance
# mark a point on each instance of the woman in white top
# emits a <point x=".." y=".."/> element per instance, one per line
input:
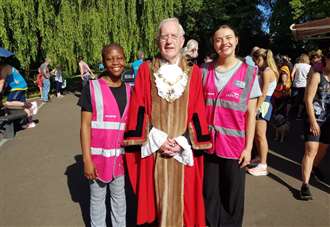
<point x="268" y="78"/>
<point x="299" y="78"/>
<point x="57" y="72"/>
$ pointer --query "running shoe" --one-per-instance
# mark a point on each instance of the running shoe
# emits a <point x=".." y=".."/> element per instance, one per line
<point x="259" y="170"/>
<point x="305" y="193"/>
<point x="29" y="125"/>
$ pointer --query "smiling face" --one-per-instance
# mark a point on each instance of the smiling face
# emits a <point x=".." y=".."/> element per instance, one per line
<point x="170" y="41"/>
<point x="114" y="61"/>
<point x="225" y="42"/>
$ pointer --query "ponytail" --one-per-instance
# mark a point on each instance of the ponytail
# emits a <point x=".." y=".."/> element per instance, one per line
<point x="271" y="63"/>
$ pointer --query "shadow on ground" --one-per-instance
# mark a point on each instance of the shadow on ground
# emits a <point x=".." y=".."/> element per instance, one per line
<point x="79" y="187"/>
<point x="287" y="157"/>
<point x="79" y="190"/>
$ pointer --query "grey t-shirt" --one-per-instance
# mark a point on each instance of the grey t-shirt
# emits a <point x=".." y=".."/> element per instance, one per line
<point x="221" y="79"/>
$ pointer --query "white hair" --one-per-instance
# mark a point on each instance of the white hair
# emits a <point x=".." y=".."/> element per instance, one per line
<point x="172" y="19"/>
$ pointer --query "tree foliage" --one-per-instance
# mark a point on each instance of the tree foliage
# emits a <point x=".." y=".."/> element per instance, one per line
<point x="288" y="12"/>
<point x="65" y="29"/>
<point x="303" y="10"/>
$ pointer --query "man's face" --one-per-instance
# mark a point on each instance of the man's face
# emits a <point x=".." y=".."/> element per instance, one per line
<point x="170" y="41"/>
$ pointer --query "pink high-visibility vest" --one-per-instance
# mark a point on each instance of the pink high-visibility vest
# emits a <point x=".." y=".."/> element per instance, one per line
<point x="107" y="131"/>
<point x="227" y="111"/>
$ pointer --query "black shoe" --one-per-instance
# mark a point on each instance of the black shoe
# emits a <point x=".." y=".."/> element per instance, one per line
<point x="305" y="193"/>
<point x="319" y="177"/>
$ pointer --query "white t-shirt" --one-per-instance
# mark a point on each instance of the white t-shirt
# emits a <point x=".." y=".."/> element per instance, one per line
<point x="58" y="76"/>
<point x="300" y="76"/>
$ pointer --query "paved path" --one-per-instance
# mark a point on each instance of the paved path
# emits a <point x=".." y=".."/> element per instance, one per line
<point x="42" y="182"/>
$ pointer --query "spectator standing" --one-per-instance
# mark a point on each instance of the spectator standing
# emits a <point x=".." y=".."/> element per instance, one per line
<point x="281" y="96"/>
<point x="44" y="68"/>
<point x="316" y="61"/>
<point x="317" y="125"/>
<point x="85" y="72"/>
<point x="268" y="77"/>
<point x="249" y="59"/>
<point x="39" y="82"/>
<point x="136" y="64"/>
<point x="57" y="72"/>
<point x="299" y="78"/>
<point x="190" y="51"/>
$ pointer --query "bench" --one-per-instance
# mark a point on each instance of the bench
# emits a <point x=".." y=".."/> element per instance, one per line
<point x="10" y="121"/>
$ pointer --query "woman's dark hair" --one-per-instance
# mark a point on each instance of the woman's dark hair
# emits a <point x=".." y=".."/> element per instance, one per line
<point x="225" y="26"/>
<point x="110" y="46"/>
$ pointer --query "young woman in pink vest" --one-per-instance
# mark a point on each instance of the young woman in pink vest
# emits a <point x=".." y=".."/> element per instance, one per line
<point x="230" y="92"/>
<point x="268" y="77"/>
<point x="103" y="118"/>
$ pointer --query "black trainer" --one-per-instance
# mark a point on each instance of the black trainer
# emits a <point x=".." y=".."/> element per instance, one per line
<point x="318" y="175"/>
<point x="305" y="193"/>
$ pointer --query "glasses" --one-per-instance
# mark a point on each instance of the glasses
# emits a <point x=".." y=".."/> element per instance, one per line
<point x="164" y="38"/>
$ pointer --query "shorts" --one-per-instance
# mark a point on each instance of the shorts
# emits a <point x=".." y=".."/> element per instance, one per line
<point x="297" y="95"/>
<point x="268" y="113"/>
<point x="324" y="136"/>
<point x="17" y="96"/>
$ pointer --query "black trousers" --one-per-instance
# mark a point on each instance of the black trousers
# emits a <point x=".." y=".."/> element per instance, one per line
<point x="224" y="187"/>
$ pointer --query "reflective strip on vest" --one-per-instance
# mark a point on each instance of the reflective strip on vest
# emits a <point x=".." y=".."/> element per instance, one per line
<point x="247" y="90"/>
<point x="108" y="125"/>
<point x="98" y="100"/>
<point x="107" y="152"/>
<point x="226" y="104"/>
<point x="229" y="131"/>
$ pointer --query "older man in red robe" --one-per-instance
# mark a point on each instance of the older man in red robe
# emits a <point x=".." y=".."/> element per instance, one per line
<point x="167" y="121"/>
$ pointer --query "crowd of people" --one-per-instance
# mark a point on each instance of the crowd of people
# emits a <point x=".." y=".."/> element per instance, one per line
<point x="184" y="133"/>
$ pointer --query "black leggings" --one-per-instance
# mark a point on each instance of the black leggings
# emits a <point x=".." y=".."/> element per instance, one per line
<point x="224" y="187"/>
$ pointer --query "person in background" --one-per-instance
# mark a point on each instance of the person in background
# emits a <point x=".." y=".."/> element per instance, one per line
<point x="249" y="59"/>
<point x="57" y="72"/>
<point x="299" y="78"/>
<point x="136" y="64"/>
<point x="44" y="68"/>
<point x="39" y="82"/>
<point x="268" y="77"/>
<point x="11" y="78"/>
<point x="317" y="125"/>
<point x="85" y="72"/>
<point x="104" y="109"/>
<point x="282" y="92"/>
<point x="287" y="61"/>
<point x="316" y="61"/>
<point x="101" y="67"/>
<point x="190" y="51"/>
<point x="230" y="92"/>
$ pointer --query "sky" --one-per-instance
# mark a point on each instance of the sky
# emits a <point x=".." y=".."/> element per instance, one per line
<point x="267" y="13"/>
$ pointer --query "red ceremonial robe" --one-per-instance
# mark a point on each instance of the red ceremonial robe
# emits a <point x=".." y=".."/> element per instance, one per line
<point x="141" y="171"/>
